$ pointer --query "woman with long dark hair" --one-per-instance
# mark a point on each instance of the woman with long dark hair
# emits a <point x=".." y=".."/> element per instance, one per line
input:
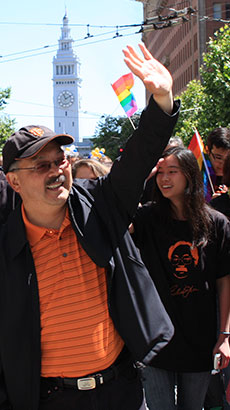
<point x="186" y="248"/>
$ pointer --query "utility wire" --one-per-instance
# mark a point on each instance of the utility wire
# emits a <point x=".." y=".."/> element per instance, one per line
<point x="56" y="45"/>
<point x="4" y="114"/>
<point x="75" y="46"/>
<point x="157" y="22"/>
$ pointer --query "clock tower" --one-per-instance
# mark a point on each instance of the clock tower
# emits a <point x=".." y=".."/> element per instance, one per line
<point x="66" y="82"/>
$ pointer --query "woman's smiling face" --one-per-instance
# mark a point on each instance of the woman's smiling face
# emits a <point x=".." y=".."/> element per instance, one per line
<point x="170" y="179"/>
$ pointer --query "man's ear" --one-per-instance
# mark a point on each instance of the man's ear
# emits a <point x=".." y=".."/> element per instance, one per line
<point x="13" y="181"/>
<point x="207" y="150"/>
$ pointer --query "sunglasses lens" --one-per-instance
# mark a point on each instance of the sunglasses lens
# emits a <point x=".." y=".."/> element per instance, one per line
<point x="43" y="167"/>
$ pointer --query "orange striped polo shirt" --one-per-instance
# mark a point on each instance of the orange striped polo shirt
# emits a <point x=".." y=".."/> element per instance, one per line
<point x="77" y="334"/>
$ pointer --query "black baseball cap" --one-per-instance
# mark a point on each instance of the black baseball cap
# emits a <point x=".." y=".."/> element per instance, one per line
<point x="28" y="141"/>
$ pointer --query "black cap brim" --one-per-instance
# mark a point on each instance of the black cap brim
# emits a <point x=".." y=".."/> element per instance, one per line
<point x="37" y="146"/>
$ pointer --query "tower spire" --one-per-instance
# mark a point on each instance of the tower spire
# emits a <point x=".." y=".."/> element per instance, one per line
<point x="65" y="84"/>
<point x="65" y="16"/>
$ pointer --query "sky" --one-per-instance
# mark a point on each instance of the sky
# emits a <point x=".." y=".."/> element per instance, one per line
<point x="29" y="33"/>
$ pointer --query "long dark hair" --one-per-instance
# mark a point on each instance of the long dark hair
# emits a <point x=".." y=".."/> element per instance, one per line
<point x="196" y="211"/>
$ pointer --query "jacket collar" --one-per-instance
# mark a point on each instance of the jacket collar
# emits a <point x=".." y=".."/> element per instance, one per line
<point x="18" y="240"/>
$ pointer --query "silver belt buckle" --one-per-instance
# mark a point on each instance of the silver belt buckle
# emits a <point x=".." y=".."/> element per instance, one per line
<point x="87" y="383"/>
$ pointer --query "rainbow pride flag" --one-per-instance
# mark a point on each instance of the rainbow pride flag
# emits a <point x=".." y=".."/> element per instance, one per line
<point x="197" y="147"/>
<point x="122" y="89"/>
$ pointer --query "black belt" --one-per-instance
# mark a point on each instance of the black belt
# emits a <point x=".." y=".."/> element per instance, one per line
<point x="91" y="381"/>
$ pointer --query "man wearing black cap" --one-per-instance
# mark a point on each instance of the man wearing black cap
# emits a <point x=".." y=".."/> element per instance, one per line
<point x="77" y="305"/>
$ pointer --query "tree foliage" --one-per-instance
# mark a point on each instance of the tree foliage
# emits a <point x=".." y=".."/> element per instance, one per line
<point x="112" y="133"/>
<point x="216" y="78"/>
<point x="191" y="116"/>
<point x="7" y="126"/>
<point x="206" y="104"/>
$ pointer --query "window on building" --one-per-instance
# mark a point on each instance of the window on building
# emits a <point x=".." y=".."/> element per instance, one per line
<point x="66" y="113"/>
<point x="57" y="70"/>
<point x="61" y="69"/>
<point x="73" y="124"/>
<point x="227" y="10"/>
<point x="217" y="10"/>
<point x="59" y="124"/>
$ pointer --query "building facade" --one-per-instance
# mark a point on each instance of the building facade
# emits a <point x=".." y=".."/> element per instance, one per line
<point x="180" y="47"/>
<point x="66" y="82"/>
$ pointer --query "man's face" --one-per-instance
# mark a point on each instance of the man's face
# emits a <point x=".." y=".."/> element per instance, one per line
<point x="49" y="188"/>
<point x="217" y="157"/>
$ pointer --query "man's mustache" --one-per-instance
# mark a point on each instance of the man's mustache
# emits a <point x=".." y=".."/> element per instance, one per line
<point x="60" y="178"/>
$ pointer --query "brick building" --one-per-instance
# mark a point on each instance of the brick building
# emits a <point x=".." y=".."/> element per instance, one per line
<point x="180" y="46"/>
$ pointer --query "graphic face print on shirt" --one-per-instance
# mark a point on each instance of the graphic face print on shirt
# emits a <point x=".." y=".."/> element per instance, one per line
<point x="183" y="258"/>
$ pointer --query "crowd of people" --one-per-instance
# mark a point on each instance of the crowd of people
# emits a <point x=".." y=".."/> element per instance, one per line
<point x="114" y="283"/>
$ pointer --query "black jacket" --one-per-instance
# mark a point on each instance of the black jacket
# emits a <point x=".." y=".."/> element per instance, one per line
<point x="8" y="198"/>
<point x="100" y="211"/>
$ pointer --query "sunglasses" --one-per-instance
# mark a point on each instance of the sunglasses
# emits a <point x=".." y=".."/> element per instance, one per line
<point x="45" y="166"/>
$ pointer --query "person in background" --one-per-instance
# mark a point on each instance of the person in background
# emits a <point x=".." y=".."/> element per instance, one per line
<point x="222" y="201"/>
<point x="222" y="204"/>
<point x="71" y="156"/>
<point x="77" y="304"/>
<point x="186" y="247"/>
<point x="88" y="168"/>
<point x="8" y="198"/>
<point x="175" y="141"/>
<point x="218" y="145"/>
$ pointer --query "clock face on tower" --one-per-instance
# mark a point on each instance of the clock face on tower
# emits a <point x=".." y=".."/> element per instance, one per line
<point x="65" y="99"/>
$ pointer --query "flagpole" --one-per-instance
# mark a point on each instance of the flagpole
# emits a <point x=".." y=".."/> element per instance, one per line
<point x="205" y="164"/>
<point x="132" y="123"/>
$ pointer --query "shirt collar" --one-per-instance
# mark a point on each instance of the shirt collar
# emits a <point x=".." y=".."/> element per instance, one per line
<point x="35" y="233"/>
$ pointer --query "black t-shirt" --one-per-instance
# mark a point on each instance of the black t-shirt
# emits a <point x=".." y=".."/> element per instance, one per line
<point x="186" y="281"/>
<point x="222" y="204"/>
